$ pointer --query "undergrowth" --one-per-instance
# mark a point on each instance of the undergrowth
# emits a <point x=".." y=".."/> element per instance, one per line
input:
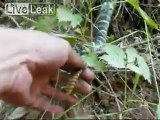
<point x="128" y="70"/>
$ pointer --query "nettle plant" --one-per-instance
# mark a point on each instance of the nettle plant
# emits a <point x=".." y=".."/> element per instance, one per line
<point x="123" y="58"/>
<point x="117" y="57"/>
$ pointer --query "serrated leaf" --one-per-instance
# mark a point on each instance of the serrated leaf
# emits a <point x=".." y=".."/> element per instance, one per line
<point x="131" y="54"/>
<point x="18" y="113"/>
<point x="158" y="111"/>
<point x="76" y="20"/>
<point x="116" y="56"/>
<point x="46" y="23"/>
<point x="92" y="61"/>
<point x="33" y="114"/>
<point x="128" y="58"/>
<point x="137" y="64"/>
<point x="69" y="38"/>
<point x="132" y="59"/>
<point x="149" y="21"/>
<point x="65" y="15"/>
<point x="144" y="68"/>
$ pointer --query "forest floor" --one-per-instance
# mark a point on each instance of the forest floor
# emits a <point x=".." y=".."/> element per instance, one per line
<point x="115" y="94"/>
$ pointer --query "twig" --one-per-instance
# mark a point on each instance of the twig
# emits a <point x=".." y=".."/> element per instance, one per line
<point x="28" y="19"/>
<point x="90" y="21"/>
<point x="79" y="102"/>
<point x="119" y="39"/>
<point x="12" y="18"/>
<point x="143" y="42"/>
<point x="57" y="80"/>
<point x="150" y="5"/>
<point x="154" y="72"/>
<point x="117" y="101"/>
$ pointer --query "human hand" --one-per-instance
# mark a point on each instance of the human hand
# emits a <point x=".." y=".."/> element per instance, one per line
<point x="28" y="60"/>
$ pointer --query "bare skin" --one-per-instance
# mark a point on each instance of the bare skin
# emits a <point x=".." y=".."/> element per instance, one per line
<point x="28" y="60"/>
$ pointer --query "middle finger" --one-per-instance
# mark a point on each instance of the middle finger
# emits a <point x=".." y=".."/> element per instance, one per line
<point x="81" y="85"/>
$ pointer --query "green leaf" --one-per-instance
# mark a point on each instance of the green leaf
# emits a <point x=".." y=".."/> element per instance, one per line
<point x="69" y="38"/>
<point x="18" y="113"/>
<point x="149" y="21"/>
<point x="116" y="56"/>
<point x="132" y="60"/>
<point x="92" y="61"/>
<point x="128" y="58"/>
<point x="76" y="20"/>
<point x="158" y="111"/>
<point x="131" y="54"/>
<point x="65" y="15"/>
<point x="137" y="64"/>
<point x="144" y="68"/>
<point x="46" y="23"/>
<point x="134" y="3"/>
